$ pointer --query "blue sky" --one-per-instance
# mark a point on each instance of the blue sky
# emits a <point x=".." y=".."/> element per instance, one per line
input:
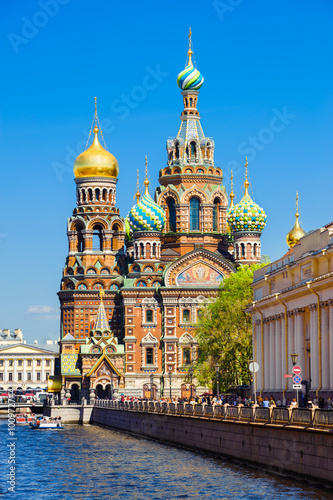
<point x="267" y="93"/>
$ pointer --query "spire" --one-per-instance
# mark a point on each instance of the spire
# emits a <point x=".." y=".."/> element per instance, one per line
<point x="297" y="232"/>
<point x="246" y="183"/>
<point x="146" y="182"/>
<point x="190" y="52"/>
<point x="137" y="187"/>
<point x="101" y="319"/>
<point x="232" y="196"/>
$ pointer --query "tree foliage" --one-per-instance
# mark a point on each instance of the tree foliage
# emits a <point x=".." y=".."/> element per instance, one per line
<point x="224" y="332"/>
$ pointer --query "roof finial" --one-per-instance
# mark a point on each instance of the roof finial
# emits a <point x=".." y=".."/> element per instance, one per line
<point x="137" y="187"/>
<point x="146" y="181"/>
<point x="96" y="118"/>
<point x="190" y="52"/>
<point x="232" y="196"/>
<point x="297" y="198"/>
<point x="101" y="294"/>
<point x="246" y="183"/>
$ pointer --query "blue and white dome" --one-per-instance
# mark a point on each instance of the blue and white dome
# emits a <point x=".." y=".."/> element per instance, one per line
<point x="190" y="78"/>
<point x="146" y="215"/>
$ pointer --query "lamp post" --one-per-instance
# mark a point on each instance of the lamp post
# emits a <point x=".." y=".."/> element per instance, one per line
<point x="151" y="386"/>
<point x="217" y="369"/>
<point x="191" y="378"/>
<point x="170" y="375"/>
<point x="294" y="357"/>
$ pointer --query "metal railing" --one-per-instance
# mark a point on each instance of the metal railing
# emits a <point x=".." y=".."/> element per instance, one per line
<point x="304" y="417"/>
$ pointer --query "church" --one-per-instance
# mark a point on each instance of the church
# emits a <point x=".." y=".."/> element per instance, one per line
<point x="133" y="287"/>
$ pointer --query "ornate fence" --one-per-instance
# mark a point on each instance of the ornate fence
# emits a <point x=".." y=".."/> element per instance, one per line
<point x="304" y="417"/>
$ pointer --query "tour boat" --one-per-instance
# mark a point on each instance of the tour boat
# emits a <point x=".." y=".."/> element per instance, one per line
<point x="46" y="423"/>
<point x="22" y="419"/>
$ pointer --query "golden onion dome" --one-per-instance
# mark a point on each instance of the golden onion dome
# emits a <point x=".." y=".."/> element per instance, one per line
<point x="296" y="232"/>
<point x="96" y="161"/>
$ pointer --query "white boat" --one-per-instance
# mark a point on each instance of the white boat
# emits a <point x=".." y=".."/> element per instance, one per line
<point x="46" y="423"/>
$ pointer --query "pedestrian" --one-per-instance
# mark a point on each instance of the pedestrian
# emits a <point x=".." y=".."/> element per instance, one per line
<point x="329" y="404"/>
<point x="294" y="403"/>
<point x="321" y="402"/>
<point x="266" y="403"/>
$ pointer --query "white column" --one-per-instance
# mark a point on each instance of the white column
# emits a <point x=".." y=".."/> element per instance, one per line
<point x="43" y="370"/>
<point x="33" y="375"/>
<point x="272" y="355"/>
<point x="278" y="374"/>
<point x="266" y="355"/>
<point x="258" y="356"/>
<point x="330" y="347"/>
<point x="24" y="371"/>
<point x="300" y="340"/>
<point x="314" y="348"/>
<point x="283" y="351"/>
<point x="325" y="366"/>
<point x="15" y="372"/>
<point x="291" y="346"/>
<point x="6" y="371"/>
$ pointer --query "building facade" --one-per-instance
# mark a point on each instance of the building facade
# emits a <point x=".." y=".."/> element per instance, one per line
<point x="293" y="314"/>
<point x="156" y="267"/>
<point x="24" y="366"/>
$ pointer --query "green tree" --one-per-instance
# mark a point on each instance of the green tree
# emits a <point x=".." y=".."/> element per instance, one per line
<point x="224" y="332"/>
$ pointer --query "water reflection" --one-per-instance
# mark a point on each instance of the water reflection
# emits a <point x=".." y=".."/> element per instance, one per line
<point x="88" y="462"/>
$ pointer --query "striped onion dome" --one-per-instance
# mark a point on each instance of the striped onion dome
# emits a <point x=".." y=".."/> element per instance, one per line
<point x="146" y="215"/>
<point x="190" y="78"/>
<point x="246" y="216"/>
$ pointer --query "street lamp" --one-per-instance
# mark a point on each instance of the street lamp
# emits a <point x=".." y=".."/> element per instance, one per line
<point x="294" y="357"/>
<point x="151" y="386"/>
<point x="170" y="375"/>
<point x="191" y="377"/>
<point x="217" y="369"/>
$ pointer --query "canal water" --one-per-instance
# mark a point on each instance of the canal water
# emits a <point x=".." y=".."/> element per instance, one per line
<point x="94" y="463"/>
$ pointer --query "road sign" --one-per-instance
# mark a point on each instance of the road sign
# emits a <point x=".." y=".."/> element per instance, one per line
<point x="288" y="375"/>
<point x="297" y="379"/>
<point x="297" y="370"/>
<point x="253" y="367"/>
<point x="297" y="386"/>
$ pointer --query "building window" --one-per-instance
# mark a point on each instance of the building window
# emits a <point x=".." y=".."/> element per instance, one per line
<point x="1" y="377"/>
<point x="215" y="214"/>
<point x="149" y="316"/>
<point x="149" y="356"/>
<point x="172" y="215"/>
<point x="38" y="362"/>
<point x="1" y="362"/>
<point x="186" y="315"/>
<point x="47" y="374"/>
<point x="38" y="376"/>
<point x="10" y="362"/>
<point x="29" y="362"/>
<point x="97" y="238"/>
<point x="186" y="356"/>
<point x="194" y="214"/>
<point x="20" y="362"/>
<point x="19" y="376"/>
<point x="29" y="376"/>
<point x="10" y="377"/>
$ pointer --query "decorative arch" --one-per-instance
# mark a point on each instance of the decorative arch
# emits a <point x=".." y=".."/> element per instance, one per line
<point x="97" y="285"/>
<point x="194" y="193"/>
<point x="168" y="194"/>
<point x="97" y="221"/>
<point x="77" y="224"/>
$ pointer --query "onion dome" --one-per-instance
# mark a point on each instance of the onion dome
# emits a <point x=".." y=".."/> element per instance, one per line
<point x="146" y="215"/>
<point x="246" y="215"/>
<point x="190" y="78"/>
<point x="96" y="161"/>
<point x="296" y="232"/>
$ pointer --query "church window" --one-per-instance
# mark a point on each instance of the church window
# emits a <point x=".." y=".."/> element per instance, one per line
<point x="186" y="356"/>
<point x="194" y="214"/>
<point x="97" y="194"/>
<point x="80" y="240"/>
<point x="242" y="250"/>
<point x="172" y="214"/>
<point x="177" y="151"/>
<point x="80" y="270"/>
<point x="141" y="249"/>
<point x="215" y="214"/>
<point x="149" y="316"/>
<point x="97" y="238"/>
<point x="186" y="315"/>
<point x="193" y="149"/>
<point x="90" y="194"/>
<point x="191" y="102"/>
<point x="149" y="356"/>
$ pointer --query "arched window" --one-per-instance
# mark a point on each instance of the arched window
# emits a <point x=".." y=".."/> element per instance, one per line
<point x="97" y="194"/>
<point x="242" y="250"/>
<point x="186" y="356"/>
<point x="191" y="102"/>
<point x="193" y="149"/>
<point x="97" y="238"/>
<point x="186" y="315"/>
<point x="90" y="194"/>
<point x="80" y="240"/>
<point x="172" y="215"/>
<point x="149" y="356"/>
<point x="215" y="214"/>
<point x="142" y="249"/>
<point x="177" y="151"/>
<point x="194" y="214"/>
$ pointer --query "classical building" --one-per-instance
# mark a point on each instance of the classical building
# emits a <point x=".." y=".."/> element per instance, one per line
<point x="24" y="366"/>
<point x="293" y="314"/>
<point x="10" y="338"/>
<point x="156" y="267"/>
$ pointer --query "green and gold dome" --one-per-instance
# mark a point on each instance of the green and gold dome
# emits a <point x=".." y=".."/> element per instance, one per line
<point x="246" y="215"/>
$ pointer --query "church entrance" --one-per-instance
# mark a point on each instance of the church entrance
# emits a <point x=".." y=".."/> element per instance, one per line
<point x="149" y="392"/>
<point x="75" y="393"/>
<point x="102" y="393"/>
<point x="186" y="392"/>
